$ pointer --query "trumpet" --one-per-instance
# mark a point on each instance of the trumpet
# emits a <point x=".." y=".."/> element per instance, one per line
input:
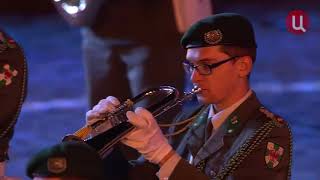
<point x="72" y="7"/>
<point x="104" y="141"/>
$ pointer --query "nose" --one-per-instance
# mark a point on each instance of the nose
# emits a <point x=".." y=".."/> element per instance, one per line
<point x="195" y="76"/>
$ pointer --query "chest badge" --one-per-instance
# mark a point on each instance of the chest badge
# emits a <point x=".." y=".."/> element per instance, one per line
<point x="7" y="72"/>
<point x="273" y="155"/>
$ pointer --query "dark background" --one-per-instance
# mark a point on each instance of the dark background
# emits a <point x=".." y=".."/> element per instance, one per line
<point x="30" y="7"/>
<point x="285" y="77"/>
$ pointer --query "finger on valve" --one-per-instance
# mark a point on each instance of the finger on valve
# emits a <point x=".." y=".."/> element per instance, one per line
<point x="136" y="120"/>
<point x="107" y="105"/>
<point x="113" y="100"/>
<point x="92" y="117"/>
<point x="145" y="114"/>
<point x="99" y="111"/>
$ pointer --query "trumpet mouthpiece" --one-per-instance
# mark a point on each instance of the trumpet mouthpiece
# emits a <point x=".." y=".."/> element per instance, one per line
<point x="196" y="89"/>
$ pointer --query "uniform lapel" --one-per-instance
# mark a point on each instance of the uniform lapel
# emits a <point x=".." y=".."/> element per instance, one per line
<point x="230" y="129"/>
<point x="245" y="112"/>
<point x="248" y="113"/>
<point x="213" y="144"/>
<point x="194" y="139"/>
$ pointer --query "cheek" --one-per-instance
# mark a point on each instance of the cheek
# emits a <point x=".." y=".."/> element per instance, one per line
<point x="214" y="90"/>
<point x="221" y="84"/>
<point x="218" y="81"/>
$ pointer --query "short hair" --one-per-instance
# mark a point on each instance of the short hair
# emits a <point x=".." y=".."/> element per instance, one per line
<point x="240" y="51"/>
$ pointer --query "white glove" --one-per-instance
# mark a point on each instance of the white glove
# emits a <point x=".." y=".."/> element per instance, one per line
<point x="147" y="137"/>
<point x="99" y="111"/>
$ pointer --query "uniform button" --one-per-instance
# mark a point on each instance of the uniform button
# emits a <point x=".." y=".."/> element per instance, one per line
<point x="212" y="173"/>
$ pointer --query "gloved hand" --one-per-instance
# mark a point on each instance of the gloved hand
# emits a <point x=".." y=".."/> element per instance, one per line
<point x="99" y="111"/>
<point x="147" y="137"/>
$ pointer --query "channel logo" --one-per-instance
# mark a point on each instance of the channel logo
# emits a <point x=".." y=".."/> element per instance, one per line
<point x="297" y="22"/>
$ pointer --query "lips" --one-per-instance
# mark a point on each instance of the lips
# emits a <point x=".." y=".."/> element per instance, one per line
<point x="202" y="91"/>
<point x="202" y="88"/>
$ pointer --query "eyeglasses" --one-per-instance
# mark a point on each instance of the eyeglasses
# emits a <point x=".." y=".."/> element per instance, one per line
<point x="204" y="69"/>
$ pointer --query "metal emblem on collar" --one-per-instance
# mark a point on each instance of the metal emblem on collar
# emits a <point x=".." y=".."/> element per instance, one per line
<point x="234" y="120"/>
<point x="57" y="165"/>
<point x="213" y="37"/>
<point x="7" y="72"/>
<point x="273" y="155"/>
<point x="232" y="124"/>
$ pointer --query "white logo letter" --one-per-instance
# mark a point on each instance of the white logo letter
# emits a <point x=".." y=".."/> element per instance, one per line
<point x="300" y="27"/>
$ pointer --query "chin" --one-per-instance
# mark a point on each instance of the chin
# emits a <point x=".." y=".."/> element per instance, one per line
<point x="206" y="98"/>
<point x="203" y="100"/>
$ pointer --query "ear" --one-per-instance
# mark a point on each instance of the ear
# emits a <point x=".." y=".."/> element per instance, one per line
<point x="244" y="66"/>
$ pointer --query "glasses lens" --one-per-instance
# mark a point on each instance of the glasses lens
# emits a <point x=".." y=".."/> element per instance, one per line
<point x="204" y="69"/>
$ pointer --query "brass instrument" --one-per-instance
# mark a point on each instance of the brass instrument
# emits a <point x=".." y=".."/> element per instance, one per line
<point x="72" y="7"/>
<point x="104" y="141"/>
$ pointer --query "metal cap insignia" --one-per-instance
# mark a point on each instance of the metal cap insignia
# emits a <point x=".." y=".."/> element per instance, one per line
<point x="213" y="37"/>
<point x="57" y="164"/>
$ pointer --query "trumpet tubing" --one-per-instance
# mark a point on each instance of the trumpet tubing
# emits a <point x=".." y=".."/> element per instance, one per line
<point x="104" y="141"/>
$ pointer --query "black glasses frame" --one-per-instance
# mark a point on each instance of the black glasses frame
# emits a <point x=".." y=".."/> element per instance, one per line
<point x="189" y="67"/>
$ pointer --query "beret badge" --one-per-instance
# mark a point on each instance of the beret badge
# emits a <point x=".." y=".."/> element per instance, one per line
<point x="57" y="165"/>
<point x="213" y="37"/>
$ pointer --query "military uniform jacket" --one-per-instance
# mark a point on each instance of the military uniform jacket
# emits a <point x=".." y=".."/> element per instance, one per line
<point x="13" y="77"/>
<point x="252" y="143"/>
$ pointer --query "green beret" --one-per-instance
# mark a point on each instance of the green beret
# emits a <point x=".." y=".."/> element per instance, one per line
<point x="13" y="87"/>
<point x="220" y="29"/>
<point x="67" y="159"/>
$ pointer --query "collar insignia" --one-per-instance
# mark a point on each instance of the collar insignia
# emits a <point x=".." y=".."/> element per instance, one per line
<point x="232" y="124"/>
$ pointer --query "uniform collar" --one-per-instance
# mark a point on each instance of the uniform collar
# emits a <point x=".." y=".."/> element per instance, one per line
<point x="227" y="133"/>
<point x="217" y="119"/>
<point x="238" y="118"/>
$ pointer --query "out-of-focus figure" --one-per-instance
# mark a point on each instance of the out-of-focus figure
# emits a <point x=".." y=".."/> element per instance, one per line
<point x="67" y="160"/>
<point x="126" y="46"/>
<point x="13" y="86"/>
